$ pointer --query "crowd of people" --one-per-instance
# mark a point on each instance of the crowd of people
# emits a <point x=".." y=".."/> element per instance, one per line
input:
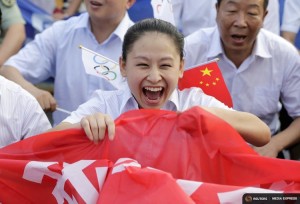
<point x="261" y="68"/>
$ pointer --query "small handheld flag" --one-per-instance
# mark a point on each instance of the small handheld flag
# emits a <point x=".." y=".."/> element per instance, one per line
<point x="101" y="66"/>
<point x="209" y="78"/>
<point x="63" y="110"/>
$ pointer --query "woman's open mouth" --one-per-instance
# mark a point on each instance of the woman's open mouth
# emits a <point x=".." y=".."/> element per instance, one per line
<point x="153" y="94"/>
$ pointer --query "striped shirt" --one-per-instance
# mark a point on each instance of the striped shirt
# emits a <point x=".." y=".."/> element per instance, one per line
<point x="20" y="114"/>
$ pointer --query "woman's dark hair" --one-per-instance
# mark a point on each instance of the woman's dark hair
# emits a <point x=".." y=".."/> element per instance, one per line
<point x="266" y="2"/>
<point x="136" y="31"/>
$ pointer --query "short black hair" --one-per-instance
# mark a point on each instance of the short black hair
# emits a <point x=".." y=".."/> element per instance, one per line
<point x="266" y="2"/>
<point x="136" y="31"/>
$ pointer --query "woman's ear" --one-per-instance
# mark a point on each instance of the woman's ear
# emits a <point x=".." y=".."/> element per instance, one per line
<point x="181" y="68"/>
<point x="122" y="65"/>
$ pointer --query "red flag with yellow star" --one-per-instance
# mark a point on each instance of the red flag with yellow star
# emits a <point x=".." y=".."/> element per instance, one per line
<point x="209" y="78"/>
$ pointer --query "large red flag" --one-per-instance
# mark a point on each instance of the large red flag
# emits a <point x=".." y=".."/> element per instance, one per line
<point x="209" y="78"/>
<point x="208" y="159"/>
<point x="129" y="183"/>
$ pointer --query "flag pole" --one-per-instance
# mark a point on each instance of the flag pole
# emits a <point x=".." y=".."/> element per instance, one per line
<point x="201" y="64"/>
<point x="95" y="53"/>
<point x="63" y="110"/>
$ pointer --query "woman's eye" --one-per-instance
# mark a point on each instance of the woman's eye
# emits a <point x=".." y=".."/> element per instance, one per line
<point x="165" y="66"/>
<point x="142" y="65"/>
<point x="231" y="11"/>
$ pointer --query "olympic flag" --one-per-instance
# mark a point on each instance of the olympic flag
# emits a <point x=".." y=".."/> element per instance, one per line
<point x="101" y="66"/>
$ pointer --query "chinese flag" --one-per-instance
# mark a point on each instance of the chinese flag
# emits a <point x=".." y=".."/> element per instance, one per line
<point x="209" y="78"/>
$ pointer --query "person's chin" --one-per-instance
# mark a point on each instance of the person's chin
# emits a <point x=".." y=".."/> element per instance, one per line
<point x="149" y="104"/>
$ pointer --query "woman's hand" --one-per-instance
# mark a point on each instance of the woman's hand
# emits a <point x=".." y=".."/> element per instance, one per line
<point x="95" y="126"/>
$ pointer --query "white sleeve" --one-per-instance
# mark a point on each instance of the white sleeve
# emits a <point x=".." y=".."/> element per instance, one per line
<point x="35" y="121"/>
<point x="196" y="97"/>
<point x="36" y="61"/>
<point x="94" y="105"/>
<point x="291" y="16"/>
<point x="272" y="20"/>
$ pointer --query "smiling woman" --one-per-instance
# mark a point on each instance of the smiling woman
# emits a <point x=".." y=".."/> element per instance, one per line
<point x="152" y="62"/>
<point x="152" y="76"/>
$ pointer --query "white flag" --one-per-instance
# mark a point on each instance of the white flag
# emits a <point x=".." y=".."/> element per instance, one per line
<point x="162" y="9"/>
<point x="101" y="66"/>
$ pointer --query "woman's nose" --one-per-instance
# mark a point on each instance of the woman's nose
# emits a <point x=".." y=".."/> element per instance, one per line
<point x="154" y="75"/>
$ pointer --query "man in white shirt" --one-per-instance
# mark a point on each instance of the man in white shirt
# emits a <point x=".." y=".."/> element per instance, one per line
<point x="55" y="53"/>
<point x="258" y="66"/>
<point x="21" y="116"/>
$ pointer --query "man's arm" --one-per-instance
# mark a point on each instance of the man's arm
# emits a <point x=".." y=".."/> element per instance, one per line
<point x="289" y="36"/>
<point x="282" y="140"/>
<point x="12" y="42"/>
<point x="45" y="98"/>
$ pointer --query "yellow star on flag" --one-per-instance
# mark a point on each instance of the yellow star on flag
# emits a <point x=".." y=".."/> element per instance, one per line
<point x="206" y="71"/>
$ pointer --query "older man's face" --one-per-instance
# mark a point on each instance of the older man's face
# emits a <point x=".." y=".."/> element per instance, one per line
<point x="239" y="22"/>
<point x="107" y="11"/>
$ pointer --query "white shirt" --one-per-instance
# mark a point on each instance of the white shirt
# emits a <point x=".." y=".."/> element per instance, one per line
<point x="271" y="72"/>
<point x="55" y="53"/>
<point x="114" y="103"/>
<point x="272" y="20"/>
<point x="291" y="16"/>
<point x="191" y="15"/>
<point x="21" y="116"/>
